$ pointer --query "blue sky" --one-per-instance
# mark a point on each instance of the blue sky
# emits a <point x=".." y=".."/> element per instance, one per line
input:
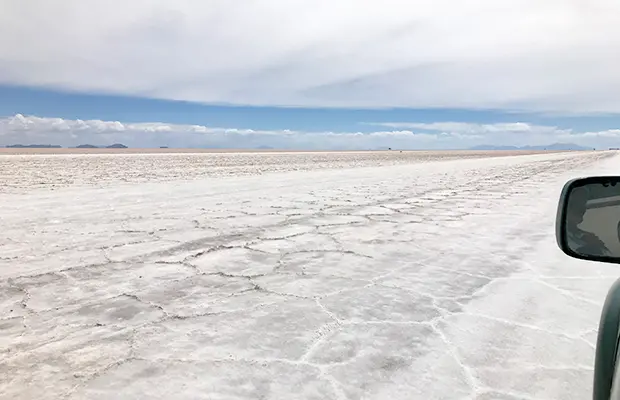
<point x="312" y="74"/>
<point x="70" y="105"/>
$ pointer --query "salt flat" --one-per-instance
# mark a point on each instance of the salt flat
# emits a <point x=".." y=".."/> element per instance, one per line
<point x="53" y="168"/>
<point x="437" y="279"/>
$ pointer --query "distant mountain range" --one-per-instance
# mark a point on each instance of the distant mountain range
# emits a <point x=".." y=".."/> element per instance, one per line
<point x="33" y="146"/>
<point x="55" y="146"/>
<point x="554" y="146"/>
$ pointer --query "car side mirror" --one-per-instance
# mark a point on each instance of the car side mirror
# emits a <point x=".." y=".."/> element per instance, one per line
<point x="588" y="228"/>
<point x="588" y="219"/>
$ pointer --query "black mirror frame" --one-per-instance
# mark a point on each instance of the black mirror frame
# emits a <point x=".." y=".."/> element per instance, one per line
<point x="607" y="344"/>
<point x="560" y="220"/>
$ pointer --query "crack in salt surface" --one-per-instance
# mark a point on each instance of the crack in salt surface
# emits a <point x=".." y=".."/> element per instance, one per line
<point x="567" y="293"/>
<point x="528" y="326"/>
<point x="454" y="353"/>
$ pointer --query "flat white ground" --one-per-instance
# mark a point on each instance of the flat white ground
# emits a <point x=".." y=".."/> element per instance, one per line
<point x="431" y="280"/>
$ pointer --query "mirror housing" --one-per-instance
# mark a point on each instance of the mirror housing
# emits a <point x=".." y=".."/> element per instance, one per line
<point x="588" y="219"/>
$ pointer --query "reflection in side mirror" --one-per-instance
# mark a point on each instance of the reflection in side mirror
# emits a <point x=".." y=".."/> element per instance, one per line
<point x="588" y="220"/>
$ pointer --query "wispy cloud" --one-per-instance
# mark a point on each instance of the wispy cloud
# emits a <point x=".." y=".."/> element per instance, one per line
<point x="471" y="128"/>
<point x="552" y="56"/>
<point x="516" y="133"/>
<point x="441" y="135"/>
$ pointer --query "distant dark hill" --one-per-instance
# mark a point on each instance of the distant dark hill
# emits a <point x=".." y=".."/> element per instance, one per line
<point x="554" y="146"/>
<point x="116" y="146"/>
<point x="34" y="146"/>
<point x="87" y="146"/>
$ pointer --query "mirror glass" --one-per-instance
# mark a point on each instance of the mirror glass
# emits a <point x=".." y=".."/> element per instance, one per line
<point x="592" y="218"/>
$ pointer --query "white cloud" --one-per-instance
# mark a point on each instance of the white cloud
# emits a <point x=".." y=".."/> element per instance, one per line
<point x="608" y="134"/>
<point x="552" y="55"/>
<point x="20" y="129"/>
<point x="470" y="128"/>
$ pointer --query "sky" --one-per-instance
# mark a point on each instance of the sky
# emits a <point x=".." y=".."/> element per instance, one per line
<point x="316" y="74"/>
